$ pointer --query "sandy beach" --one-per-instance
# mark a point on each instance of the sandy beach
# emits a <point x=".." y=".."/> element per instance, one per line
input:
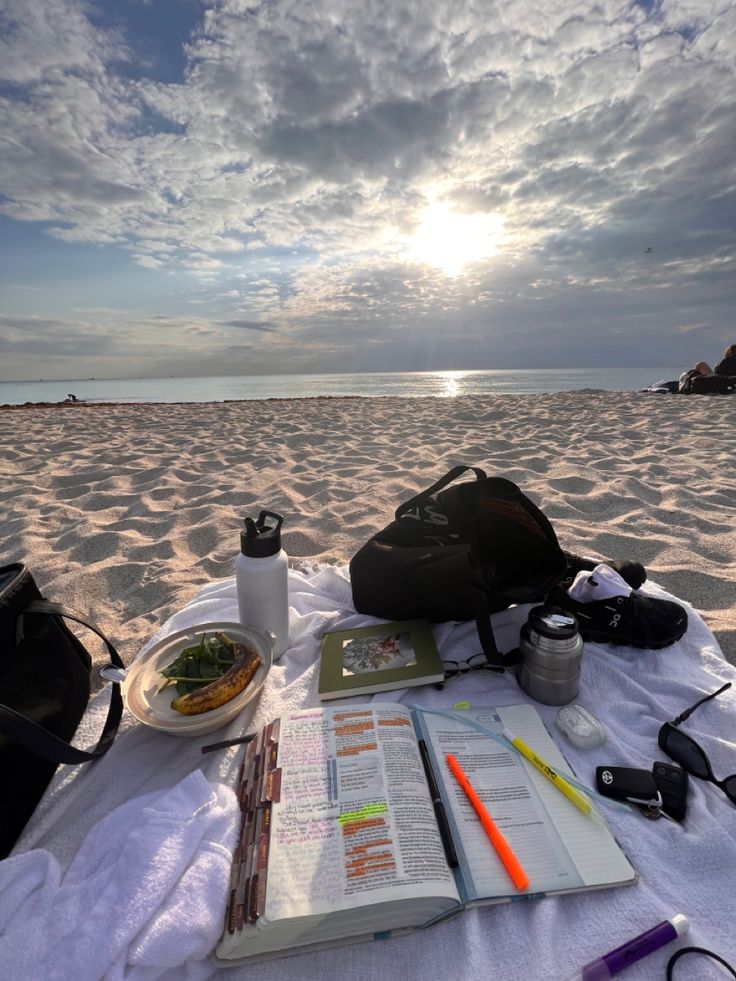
<point x="125" y="511"/>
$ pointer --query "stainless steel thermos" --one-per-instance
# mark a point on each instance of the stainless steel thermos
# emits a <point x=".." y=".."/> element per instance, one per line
<point x="551" y="650"/>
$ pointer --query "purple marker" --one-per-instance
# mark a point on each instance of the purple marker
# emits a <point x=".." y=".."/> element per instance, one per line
<point x="616" y="960"/>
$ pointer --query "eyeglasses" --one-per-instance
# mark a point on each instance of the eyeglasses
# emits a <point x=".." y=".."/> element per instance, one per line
<point x="689" y="754"/>
<point x="478" y="662"/>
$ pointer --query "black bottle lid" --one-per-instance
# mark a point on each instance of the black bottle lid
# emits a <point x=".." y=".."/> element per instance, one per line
<point x="257" y="539"/>
<point x="553" y="622"/>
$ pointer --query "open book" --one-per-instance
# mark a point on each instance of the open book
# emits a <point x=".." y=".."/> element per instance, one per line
<point x="340" y="841"/>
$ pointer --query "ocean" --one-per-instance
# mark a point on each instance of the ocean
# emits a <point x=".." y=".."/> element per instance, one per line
<point x="440" y="384"/>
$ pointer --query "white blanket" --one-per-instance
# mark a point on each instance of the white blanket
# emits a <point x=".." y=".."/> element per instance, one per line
<point x="690" y="870"/>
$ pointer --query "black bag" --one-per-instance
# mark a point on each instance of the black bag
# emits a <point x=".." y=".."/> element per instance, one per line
<point x="44" y="690"/>
<point x="693" y="383"/>
<point x="459" y="554"/>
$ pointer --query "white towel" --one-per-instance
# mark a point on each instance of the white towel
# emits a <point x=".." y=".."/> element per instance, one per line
<point x="688" y="870"/>
<point x="143" y="899"/>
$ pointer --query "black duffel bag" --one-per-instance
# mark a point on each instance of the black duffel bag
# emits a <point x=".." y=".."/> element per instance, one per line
<point x="44" y="690"/>
<point x="459" y="553"/>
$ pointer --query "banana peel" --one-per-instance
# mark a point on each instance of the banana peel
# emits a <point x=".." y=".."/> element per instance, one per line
<point x="224" y="688"/>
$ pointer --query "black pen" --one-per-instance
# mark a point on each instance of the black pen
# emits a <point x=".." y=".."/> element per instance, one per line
<point x="439" y="808"/>
<point x="228" y="742"/>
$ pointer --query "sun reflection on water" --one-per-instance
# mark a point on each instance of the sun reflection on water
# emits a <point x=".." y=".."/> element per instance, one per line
<point x="451" y="383"/>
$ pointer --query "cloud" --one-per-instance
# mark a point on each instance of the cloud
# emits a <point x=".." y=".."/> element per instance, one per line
<point x="42" y="336"/>
<point x="42" y="39"/>
<point x="250" y="325"/>
<point x="148" y="261"/>
<point x="315" y="142"/>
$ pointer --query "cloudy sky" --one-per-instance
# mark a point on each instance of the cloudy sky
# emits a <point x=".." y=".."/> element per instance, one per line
<point x="259" y="186"/>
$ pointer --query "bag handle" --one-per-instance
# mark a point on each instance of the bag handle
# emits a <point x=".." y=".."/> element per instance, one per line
<point x="40" y="740"/>
<point x="484" y="627"/>
<point x="437" y="486"/>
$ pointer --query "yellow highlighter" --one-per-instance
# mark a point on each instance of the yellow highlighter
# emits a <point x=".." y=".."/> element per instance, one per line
<point x="549" y="772"/>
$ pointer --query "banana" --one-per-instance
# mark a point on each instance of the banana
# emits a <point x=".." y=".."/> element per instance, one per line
<point x="222" y="689"/>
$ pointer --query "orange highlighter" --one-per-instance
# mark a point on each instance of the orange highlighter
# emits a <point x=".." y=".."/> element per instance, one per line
<point x="511" y="863"/>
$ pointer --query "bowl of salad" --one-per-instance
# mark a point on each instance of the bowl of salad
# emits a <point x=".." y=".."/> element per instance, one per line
<point x="198" y="679"/>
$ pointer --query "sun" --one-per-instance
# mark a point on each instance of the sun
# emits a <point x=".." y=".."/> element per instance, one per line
<point x="450" y="240"/>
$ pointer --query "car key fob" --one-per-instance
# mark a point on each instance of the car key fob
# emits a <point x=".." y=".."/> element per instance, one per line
<point x="672" y="783"/>
<point x="628" y="784"/>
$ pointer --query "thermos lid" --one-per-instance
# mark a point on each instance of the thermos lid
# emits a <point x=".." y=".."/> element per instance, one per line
<point x="553" y="622"/>
<point x="257" y="539"/>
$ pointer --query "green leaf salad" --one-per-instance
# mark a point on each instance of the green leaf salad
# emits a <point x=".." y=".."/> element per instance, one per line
<point x="200" y="664"/>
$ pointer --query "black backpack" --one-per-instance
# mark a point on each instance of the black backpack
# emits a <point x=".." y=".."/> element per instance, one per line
<point x="460" y="553"/>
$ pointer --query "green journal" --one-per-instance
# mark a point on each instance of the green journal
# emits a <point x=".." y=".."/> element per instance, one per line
<point x="378" y="658"/>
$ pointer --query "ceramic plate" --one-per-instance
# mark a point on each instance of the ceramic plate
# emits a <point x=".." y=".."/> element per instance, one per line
<point x="152" y="707"/>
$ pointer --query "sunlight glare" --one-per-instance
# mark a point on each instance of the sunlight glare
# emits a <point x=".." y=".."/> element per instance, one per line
<point x="450" y="240"/>
<point x="451" y="382"/>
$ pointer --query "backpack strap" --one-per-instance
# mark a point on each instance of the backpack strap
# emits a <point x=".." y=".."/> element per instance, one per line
<point x="425" y="495"/>
<point x="39" y="740"/>
<point x="485" y="632"/>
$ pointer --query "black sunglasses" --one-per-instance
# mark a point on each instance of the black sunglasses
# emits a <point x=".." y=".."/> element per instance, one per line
<point x="689" y="754"/>
<point x="478" y="662"/>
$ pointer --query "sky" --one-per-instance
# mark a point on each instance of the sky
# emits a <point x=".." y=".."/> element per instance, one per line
<point x="191" y="187"/>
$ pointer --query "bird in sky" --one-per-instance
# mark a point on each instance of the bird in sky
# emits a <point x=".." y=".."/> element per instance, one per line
<point x="648" y="249"/>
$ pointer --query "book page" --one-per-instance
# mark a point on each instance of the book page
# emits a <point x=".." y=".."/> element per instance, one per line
<point x="559" y="847"/>
<point x="352" y="822"/>
<point x="589" y="843"/>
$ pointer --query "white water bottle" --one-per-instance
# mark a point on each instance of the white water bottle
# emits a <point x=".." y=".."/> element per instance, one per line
<point x="261" y="577"/>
